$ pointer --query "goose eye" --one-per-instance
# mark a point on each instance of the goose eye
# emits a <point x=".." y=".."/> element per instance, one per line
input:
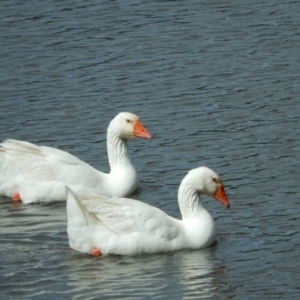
<point x="127" y="120"/>
<point x="215" y="180"/>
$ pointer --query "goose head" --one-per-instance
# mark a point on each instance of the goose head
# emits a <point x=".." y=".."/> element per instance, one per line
<point x="127" y="125"/>
<point x="208" y="182"/>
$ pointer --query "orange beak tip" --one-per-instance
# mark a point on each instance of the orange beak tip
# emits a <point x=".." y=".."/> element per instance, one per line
<point x="221" y="196"/>
<point x="141" y="132"/>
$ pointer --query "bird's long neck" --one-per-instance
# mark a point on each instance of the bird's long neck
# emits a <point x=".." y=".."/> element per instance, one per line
<point x="117" y="149"/>
<point x="189" y="200"/>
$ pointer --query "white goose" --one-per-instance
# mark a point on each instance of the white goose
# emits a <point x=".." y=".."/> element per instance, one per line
<point x="33" y="173"/>
<point x="99" y="225"/>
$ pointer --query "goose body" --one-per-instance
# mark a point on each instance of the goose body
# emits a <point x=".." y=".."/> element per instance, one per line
<point x="100" y="225"/>
<point x="32" y="173"/>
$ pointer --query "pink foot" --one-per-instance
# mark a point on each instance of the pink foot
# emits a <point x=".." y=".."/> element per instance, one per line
<point x="16" y="197"/>
<point x="96" y="252"/>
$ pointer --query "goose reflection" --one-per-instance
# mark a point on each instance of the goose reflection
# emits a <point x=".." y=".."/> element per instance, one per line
<point x="180" y="275"/>
<point x="196" y="273"/>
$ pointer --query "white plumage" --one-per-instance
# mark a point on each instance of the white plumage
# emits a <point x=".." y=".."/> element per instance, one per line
<point x="39" y="174"/>
<point x="101" y="225"/>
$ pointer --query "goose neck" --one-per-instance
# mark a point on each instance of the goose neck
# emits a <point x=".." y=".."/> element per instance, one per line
<point x="189" y="201"/>
<point x="117" y="150"/>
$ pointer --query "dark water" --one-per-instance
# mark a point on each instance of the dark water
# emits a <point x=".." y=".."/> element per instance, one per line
<point x="216" y="82"/>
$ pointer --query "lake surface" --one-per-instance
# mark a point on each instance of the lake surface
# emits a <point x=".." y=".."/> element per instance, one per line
<point x="216" y="83"/>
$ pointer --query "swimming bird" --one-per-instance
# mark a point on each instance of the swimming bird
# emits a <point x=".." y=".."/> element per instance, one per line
<point x="101" y="225"/>
<point x="32" y="173"/>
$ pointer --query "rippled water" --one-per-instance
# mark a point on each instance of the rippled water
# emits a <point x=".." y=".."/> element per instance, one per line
<point x="216" y="82"/>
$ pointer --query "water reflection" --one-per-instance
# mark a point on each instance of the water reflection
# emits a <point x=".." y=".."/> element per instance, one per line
<point x="184" y="274"/>
<point x="196" y="269"/>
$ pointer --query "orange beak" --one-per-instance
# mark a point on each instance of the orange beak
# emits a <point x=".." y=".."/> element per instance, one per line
<point x="221" y="196"/>
<point x="140" y="131"/>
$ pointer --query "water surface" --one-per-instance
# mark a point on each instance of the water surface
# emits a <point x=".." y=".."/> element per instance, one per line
<point x="216" y="82"/>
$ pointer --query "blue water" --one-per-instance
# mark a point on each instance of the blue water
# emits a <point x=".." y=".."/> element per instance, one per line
<point x="216" y="83"/>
